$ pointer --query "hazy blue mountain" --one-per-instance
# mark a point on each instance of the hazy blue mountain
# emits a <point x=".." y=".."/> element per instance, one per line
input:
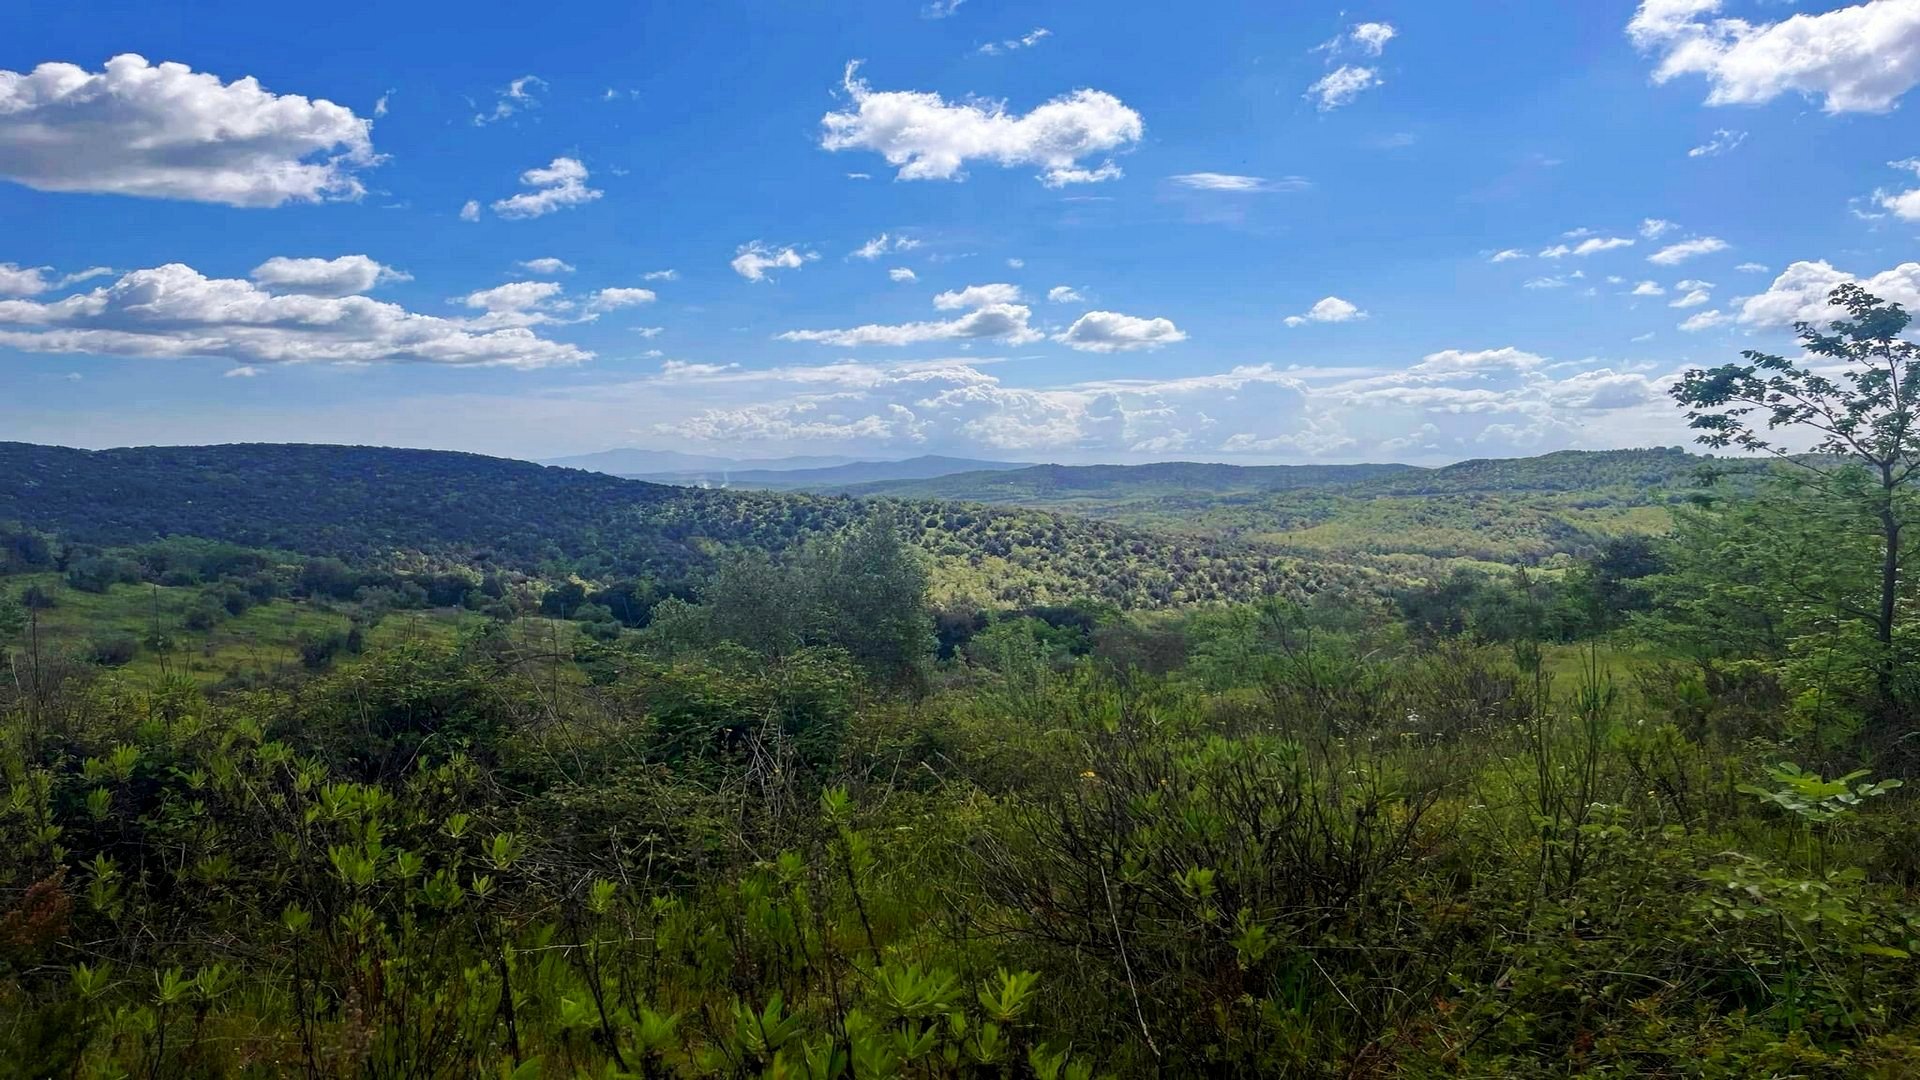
<point x="833" y="477"/>
<point x="634" y="462"/>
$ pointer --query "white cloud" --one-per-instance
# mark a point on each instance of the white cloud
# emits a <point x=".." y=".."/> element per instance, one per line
<point x="974" y="296"/>
<point x="1693" y="298"/>
<point x="470" y="210"/>
<point x="1545" y="283"/>
<point x="1654" y="228"/>
<point x="1752" y="268"/>
<point x="940" y="9"/>
<point x="901" y="273"/>
<point x="687" y="369"/>
<point x="1110" y="331"/>
<point x="1675" y="254"/>
<point x="347" y="275"/>
<point x="175" y="311"/>
<point x="1025" y="41"/>
<point x="515" y="97"/>
<point x="610" y="299"/>
<point x="1598" y="244"/>
<point x="1855" y="59"/>
<point x="989" y="318"/>
<point x="648" y="331"/>
<point x="1016" y="263"/>
<point x="18" y="280"/>
<point x="882" y="244"/>
<point x="1480" y="361"/>
<point x="754" y="260"/>
<point x="660" y="275"/>
<point x="1648" y="288"/>
<point x="1800" y="293"/>
<point x="1064" y="294"/>
<point x="244" y="371"/>
<point x="928" y="138"/>
<point x="1341" y="85"/>
<point x="1331" y="309"/>
<point x="167" y="132"/>
<point x="514" y="297"/>
<point x="1507" y="255"/>
<point x="1904" y="205"/>
<point x="1371" y="37"/>
<point x="561" y="184"/>
<point x="546" y="265"/>
<point x="1460" y="403"/>
<point x="1233" y="182"/>
<point x="1705" y="320"/>
<point x="1723" y="142"/>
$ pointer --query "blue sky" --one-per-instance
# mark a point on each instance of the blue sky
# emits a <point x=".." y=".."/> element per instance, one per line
<point x="1059" y="231"/>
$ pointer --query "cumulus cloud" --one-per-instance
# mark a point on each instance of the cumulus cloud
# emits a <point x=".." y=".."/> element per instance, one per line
<point x="558" y="185"/>
<point x="18" y="280"/>
<point x="1752" y="268"/>
<point x="1675" y="254"/>
<point x="1694" y="297"/>
<point x="514" y="297"/>
<point x="1110" y="331"/>
<point x="347" y="275"/>
<point x="1800" y="293"/>
<point x="1341" y="85"/>
<point x="1458" y="403"/>
<point x="1331" y="309"/>
<point x="974" y="296"/>
<point x="166" y="131"/>
<point x="1371" y="37"/>
<point x="1064" y="294"/>
<point x="901" y="273"/>
<point x="1003" y="322"/>
<point x="1655" y="228"/>
<point x="1506" y="255"/>
<point x="175" y="311"/>
<point x="1477" y="361"/>
<point x="1724" y="141"/>
<point x="660" y="275"/>
<point x="1904" y="205"/>
<point x="546" y="265"/>
<point x="610" y="299"/>
<point x="1649" y="288"/>
<point x="753" y="260"/>
<point x="993" y="311"/>
<point x="928" y="138"/>
<point x="1854" y="59"/>
<point x="470" y="210"/>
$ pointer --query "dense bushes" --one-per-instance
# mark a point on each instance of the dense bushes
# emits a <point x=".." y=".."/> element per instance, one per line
<point x="1312" y="849"/>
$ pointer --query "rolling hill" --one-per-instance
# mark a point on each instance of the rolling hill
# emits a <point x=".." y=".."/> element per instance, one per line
<point x="436" y="507"/>
<point x="1402" y="518"/>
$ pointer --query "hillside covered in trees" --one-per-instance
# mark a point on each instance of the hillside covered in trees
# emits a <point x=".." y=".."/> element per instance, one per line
<point x="348" y="762"/>
<point x="463" y="510"/>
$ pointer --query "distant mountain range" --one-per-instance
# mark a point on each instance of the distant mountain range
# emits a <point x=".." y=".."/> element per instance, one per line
<point x="634" y="462"/>
<point x="827" y="478"/>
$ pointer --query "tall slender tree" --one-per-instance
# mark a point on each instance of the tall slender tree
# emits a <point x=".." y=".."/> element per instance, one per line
<point x="1854" y="397"/>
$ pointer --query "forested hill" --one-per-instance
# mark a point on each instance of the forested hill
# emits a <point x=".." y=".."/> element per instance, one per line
<point x="1566" y="470"/>
<point x="372" y="503"/>
<point x="1039" y="484"/>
